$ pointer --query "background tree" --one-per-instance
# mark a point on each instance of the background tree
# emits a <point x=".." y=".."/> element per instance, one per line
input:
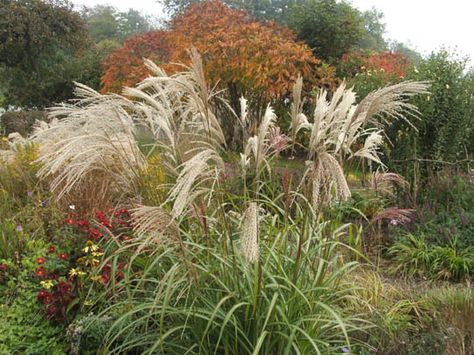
<point x="37" y="41"/>
<point x="275" y="10"/>
<point x="108" y="29"/>
<point x="331" y="28"/>
<point x="400" y="47"/>
<point x="88" y="66"/>
<point x="102" y="22"/>
<point x="106" y="22"/>
<point x="373" y="38"/>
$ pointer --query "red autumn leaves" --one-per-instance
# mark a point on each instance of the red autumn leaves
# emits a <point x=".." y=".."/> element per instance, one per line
<point x="391" y="63"/>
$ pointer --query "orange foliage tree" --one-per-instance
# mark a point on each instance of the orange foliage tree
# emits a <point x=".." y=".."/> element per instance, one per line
<point x="245" y="55"/>
<point x="239" y="53"/>
<point x="125" y="67"/>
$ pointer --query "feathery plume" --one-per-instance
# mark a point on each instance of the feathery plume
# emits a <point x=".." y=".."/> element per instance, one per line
<point x="384" y="183"/>
<point x="154" y="226"/>
<point x="259" y="147"/>
<point x="203" y="166"/>
<point x="249" y="238"/>
<point x="339" y="123"/>
<point x="395" y="215"/>
<point x="95" y="136"/>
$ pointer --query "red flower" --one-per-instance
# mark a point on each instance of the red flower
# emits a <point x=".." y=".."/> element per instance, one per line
<point x="69" y="221"/>
<point x="51" y="249"/>
<point x="41" y="296"/>
<point x="40" y="272"/>
<point x="121" y="211"/>
<point x="94" y="234"/>
<point x="105" y="278"/>
<point x="45" y="297"/>
<point x="64" y="287"/>
<point x="103" y="219"/>
<point x="83" y="223"/>
<point x="100" y="215"/>
<point x="3" y="267"/>
<point x="63" y="256"/>
<point x="40" y="260"/>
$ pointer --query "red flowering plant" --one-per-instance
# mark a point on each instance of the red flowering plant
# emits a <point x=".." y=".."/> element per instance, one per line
<point x="72" y="266"/>
<point x="394" y="65"/>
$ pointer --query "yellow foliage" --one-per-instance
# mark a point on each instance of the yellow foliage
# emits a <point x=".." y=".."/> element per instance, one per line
<point x="151" y="181"/>
<point x="18" y="172"/>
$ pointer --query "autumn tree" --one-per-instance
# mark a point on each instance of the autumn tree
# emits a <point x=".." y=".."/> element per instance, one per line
<point x="125" y="67"/>
<point x="244" y="56"/>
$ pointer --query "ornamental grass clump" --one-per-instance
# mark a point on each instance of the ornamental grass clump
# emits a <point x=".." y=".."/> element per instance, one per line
<point x="209" y="269"/>
<point x="340" y="124"/>
<point x="230" y="304"/>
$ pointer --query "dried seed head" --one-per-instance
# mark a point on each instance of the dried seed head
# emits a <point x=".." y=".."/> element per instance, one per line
<point x="249" y="239"/>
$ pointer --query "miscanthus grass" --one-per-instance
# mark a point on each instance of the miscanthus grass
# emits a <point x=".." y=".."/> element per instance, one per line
<point x="232" y="305"/>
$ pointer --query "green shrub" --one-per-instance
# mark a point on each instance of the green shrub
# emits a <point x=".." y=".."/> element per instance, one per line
<point x="24" y="330"/>
<point x="446" y="210"/>
<point x="370" y="80"/>
<point x="445" y="130"/>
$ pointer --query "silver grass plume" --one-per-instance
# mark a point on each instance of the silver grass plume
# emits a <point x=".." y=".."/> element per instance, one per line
<point x="201" y="168"/>
<point x="369" y="151"/>
<point x="339" y="123"/>
<point x="178" y="111"/>
<point x="385" y="183"/>
<point x="392" y="102"/>
<point x="249" y="238"/>
<point x="154" y="226"/>
<point x="259" y="147"/>
<point x="298" y="118"/>
<point x="243" y="119"/>
<point x="93" y="136"/>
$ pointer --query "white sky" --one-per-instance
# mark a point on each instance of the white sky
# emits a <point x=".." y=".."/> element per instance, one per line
<point x="426" y="25"/>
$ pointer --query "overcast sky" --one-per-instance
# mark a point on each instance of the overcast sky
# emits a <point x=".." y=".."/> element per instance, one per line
<point x="424" y="24"/>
